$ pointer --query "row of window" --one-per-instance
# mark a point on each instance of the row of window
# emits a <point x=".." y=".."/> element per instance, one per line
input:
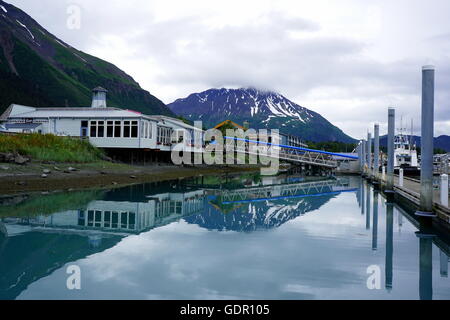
<point x="107" y="219"/>
<point x="113" y="129"/>
<point x="164" y="136"/>
<point x="125" y="129"/>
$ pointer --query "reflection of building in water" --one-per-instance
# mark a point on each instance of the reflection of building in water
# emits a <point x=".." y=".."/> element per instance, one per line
<point x="123" y="217"/>
<point x="265" y="207"/>
<point x="283" y="191"/>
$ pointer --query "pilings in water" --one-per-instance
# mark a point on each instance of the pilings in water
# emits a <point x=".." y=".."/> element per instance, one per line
<point x="422" y="196"/>
<point x="426" y="171"/>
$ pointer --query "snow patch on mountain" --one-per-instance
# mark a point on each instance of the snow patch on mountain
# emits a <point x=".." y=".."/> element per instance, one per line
<point x="263" y="109"/>
<point x="24" y="26"/>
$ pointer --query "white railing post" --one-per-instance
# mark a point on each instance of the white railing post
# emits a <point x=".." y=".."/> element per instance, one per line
<point x="383" y="173"/>
<point x="444" y="190"/>
<point x="400" y="178"/>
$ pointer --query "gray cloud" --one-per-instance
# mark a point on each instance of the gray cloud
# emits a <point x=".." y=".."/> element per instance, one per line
<point x="350" y="79"/>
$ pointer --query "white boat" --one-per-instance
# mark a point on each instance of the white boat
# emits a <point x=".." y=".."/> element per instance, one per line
<point x="405" y="155"/>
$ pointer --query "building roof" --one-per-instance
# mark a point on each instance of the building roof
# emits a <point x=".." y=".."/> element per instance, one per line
<point x="220" y="125"/>
<point x="78" y="113"/>
<point x="14" y="109"/>
<point x="99" y="89"/>
<point x="178" y="122"/>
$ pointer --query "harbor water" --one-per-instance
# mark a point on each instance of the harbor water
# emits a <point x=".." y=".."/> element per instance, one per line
<point x="211" y="237"/>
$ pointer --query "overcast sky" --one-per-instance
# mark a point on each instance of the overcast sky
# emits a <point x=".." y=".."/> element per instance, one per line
<point x="346" y="59"/>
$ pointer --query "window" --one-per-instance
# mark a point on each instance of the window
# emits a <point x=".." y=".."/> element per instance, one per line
<point x="110" y="129"/>
<point x="124" y="220"/>
<point x="98" y="219"/>
<point x="117" y="129"/>
<point x="100" y="129"/>
<point x="144" y="129"/>
<point x="132" y="220"/>
<point x="150" y="133"/>
<point x="84" y="128"/>
<point x="126" y="129"/>
<point x="115" y="220"/>
<point x="90" y="218"/>
<point x="107" y="223"/>
<point x="93" y="129"/>
<point x="134" y="129"/>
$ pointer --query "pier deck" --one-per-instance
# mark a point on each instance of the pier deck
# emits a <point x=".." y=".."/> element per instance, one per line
<point x="411" y="191"/>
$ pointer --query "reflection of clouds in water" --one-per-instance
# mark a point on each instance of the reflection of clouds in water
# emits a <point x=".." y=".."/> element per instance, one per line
<point x="191" y="266"/>
<point x="321" y="254"/>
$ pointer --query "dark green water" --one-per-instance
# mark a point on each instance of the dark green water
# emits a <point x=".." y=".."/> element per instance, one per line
<point x="219" y="238"/>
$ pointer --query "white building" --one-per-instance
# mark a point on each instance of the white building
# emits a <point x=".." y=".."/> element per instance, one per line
<point x="104" y="127"/>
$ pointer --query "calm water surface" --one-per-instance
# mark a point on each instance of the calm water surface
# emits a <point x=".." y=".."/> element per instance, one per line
<point x="228" y="237"/>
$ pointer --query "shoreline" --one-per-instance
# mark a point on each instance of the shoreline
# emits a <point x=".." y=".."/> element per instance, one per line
<point x="26" y="179"/>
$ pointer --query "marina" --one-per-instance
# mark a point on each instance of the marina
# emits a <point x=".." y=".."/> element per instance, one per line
<point x="224" y="159"/>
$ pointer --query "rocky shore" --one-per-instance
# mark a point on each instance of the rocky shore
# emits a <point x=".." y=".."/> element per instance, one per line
<point x="44" y="177"/>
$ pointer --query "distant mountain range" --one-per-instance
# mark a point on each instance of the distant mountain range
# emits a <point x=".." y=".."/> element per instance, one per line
<point x="38" y="69"/>
<point x="262" y="109"/>
<point x="441" y="142"/>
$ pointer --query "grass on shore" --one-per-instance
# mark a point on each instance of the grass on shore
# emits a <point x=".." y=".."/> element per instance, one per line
<point x="50" y="148"/>
<point x="38" y="204"/>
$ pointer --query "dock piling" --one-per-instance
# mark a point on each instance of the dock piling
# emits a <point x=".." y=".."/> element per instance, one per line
<point x="363" y="147"/>
<point x="391" y="134"/>
<point x="376" y="163"/>
<point x="426" y="172"/>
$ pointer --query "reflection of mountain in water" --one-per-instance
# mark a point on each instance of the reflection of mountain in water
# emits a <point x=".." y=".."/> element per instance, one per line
<point x="258" y="215"/>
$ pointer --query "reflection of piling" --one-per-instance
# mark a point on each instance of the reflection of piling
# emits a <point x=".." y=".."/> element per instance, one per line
<point x="426" y="171"/>
<point x="389" y="244"/>
<point x="363" y="199"/>
<point x="375" y="222"/>
<point x="390" y="166"/>
<point x="444" y="265"/>
<point x="426" y="265"/>
<point x="368" y="208"/>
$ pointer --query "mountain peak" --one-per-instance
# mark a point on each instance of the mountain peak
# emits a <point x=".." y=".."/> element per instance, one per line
<point x="262" y="108"/>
